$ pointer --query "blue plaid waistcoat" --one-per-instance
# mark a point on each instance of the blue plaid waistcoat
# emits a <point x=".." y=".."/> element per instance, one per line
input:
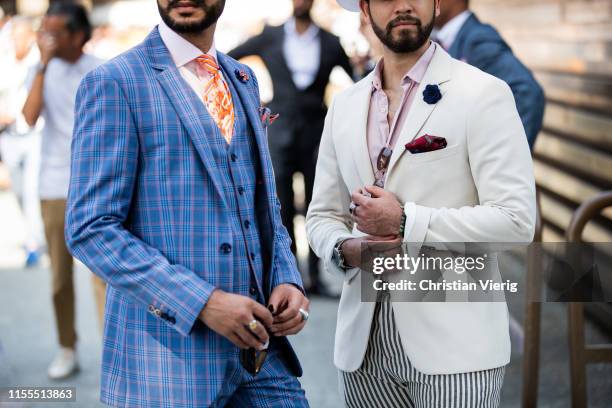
<point x="238" y="166"/>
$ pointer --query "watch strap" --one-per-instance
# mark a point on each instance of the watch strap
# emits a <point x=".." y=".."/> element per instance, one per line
<point x="339" y="256"/>
<point x="402" y="230"/>
<point x="41" y="68"/>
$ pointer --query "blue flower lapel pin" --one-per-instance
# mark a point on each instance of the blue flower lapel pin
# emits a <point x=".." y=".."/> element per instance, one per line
<point x="242" y="75"/>
<point x="432" y="94"/>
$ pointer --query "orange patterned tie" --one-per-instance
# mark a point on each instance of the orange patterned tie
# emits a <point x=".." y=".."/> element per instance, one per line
<point x="217" y="97"/>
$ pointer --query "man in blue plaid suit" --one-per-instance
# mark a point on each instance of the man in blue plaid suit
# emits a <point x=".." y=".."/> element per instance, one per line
<point x="184" y="225"/>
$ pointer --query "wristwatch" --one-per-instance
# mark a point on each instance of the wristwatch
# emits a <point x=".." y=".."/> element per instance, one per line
<point x="402" y="230"/>
<point x="338" y="256"/>
<point x="41" y="68"/>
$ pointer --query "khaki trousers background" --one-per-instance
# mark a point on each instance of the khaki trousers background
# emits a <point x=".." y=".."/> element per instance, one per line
<point x="99" y="287"/>
<point x="61" y="270"/>
<point x="53" y="214"/>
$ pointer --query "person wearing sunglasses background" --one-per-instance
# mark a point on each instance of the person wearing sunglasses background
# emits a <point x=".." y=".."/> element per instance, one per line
<point x="425" y="149"/>
<point x="173" y="203"/>
<point x="52" y="87"/>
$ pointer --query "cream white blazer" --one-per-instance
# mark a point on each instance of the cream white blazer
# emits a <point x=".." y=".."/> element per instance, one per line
<point x="480" y="188"/>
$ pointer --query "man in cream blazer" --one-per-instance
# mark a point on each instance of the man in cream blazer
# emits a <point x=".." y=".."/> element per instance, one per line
<point x="479" y="188"/>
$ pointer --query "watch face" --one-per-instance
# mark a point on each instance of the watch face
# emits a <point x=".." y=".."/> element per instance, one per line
<point x="336" y="254"/>
<point x="337" y="257"/>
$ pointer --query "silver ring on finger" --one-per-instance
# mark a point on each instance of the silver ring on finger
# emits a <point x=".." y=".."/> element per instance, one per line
<point x="304" y="314"/>
<point x="352" y="208"/>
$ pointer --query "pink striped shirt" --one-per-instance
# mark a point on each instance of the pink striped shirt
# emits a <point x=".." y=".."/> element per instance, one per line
<point x="380" y="134"/>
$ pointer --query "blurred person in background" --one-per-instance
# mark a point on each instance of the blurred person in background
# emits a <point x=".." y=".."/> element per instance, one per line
<point x="20" y="144"/>
<point x="462" y="34"/>
<point x="5" y="35"/>
<point x="5" y="53"/>
<point x="4" y="29"/>
<point x="53" y="86"/>
<point x="172" y="201"/>
<point x="300" y="57"/>
<point x="364" y="64"/>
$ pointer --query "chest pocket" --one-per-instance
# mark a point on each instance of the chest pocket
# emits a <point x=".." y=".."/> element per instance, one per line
<point x="428" y="157"/>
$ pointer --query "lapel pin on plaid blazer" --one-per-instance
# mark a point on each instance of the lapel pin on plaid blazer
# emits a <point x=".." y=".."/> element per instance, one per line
<point x="242" y="75"/>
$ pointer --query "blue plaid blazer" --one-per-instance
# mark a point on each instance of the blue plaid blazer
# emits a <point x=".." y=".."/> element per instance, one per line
<point x="144" y="210"/>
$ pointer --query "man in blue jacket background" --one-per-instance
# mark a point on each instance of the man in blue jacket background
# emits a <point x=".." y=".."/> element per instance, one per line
<point x="466" y="38"/>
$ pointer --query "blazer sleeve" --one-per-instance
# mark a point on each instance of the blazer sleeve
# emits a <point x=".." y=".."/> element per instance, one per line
<point x="502" y="170"/>
<point x="284" y="265"/>
<point x="485" y="49"/>
<point x="254" y="46"/>
<point x="103" y="175"/>
<point x="328" y="219"/>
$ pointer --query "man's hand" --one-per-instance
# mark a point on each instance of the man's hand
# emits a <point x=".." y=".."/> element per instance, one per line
<point x="352" y="248"/>
<point x="379" y="215"/>
<point x="230" y="315"/>
<point x="47" y="45"/>
<point x="285" y="302"/>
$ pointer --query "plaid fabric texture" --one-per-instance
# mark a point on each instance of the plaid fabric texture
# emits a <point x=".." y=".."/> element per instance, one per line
<point x="237" y="164"/>
<point x="148" y="212"/>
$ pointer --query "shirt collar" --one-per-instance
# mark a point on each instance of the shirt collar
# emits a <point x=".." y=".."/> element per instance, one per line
<point x="447" y="34"/>
<point x="181" y="50"/>
<point x="415" y="74"/>
<point x="309" y="34"/>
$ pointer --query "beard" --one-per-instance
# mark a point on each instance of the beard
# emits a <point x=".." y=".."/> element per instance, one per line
<point x="211" y="15"/>
<point x="406" y="41"/>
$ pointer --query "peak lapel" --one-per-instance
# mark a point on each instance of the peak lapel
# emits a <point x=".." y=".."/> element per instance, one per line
<point x="438" y="73"/>
<point x="250" y="103"/>
<point x="247" y="96"/>
<point x="189" y="107"/>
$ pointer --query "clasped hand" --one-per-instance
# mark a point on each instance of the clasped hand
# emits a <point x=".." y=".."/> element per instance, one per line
<point x="229" y="315"/>
<point x="377" y="213"/>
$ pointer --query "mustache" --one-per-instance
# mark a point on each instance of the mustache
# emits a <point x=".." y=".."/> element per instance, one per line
<point x="177" y="3"/>
<point x="404" y="19"/>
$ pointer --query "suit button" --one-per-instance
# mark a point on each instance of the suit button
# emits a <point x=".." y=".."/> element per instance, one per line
<point x="247" y="224"/>
<point x="241" y="190"/>
<point x="252" y="256"/>
<point x="233" y="157"/>
<point x="253" y="291"/>
<point x="158" y="312"/>
<point x="151" y="309"/>
<point x="226" y="248"/>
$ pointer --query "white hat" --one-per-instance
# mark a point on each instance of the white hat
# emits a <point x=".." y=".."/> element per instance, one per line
<point x="350" y="5"/>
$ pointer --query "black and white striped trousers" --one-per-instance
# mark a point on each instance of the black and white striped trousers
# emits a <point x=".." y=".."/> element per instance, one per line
<point x="386" y="379"/>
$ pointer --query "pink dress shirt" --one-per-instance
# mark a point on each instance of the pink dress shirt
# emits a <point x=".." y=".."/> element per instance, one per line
<point x="380" y="134"/>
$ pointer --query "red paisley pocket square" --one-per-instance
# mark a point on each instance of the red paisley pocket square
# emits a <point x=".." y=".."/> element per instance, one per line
<point x="426" y="143"/>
